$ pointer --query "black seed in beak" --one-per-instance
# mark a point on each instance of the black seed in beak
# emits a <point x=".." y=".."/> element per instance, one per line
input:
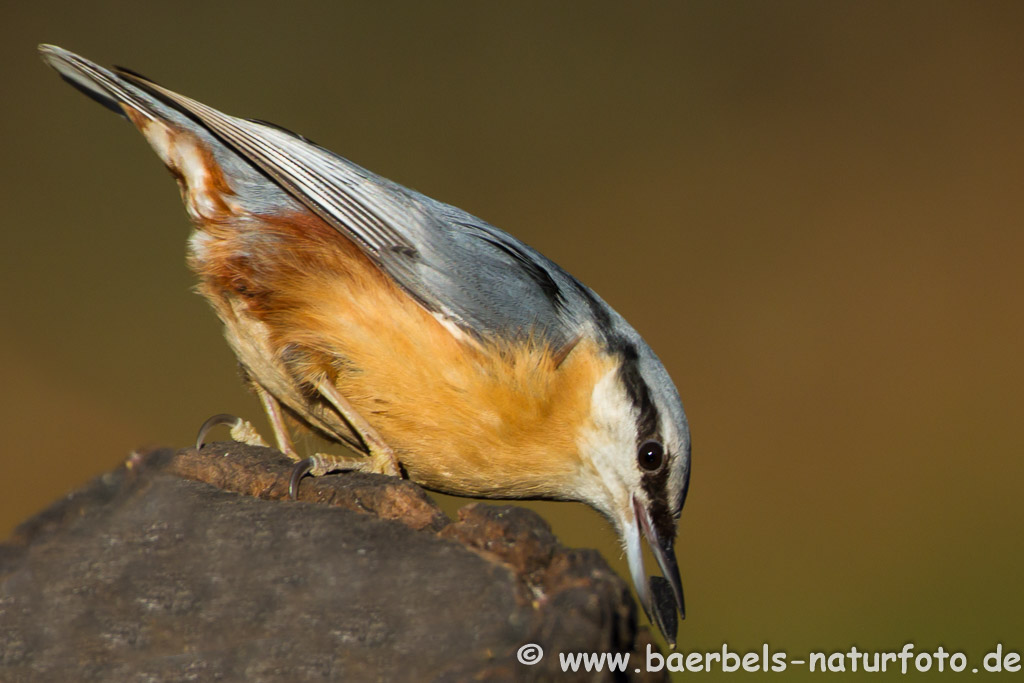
<point x="664" y="608"/>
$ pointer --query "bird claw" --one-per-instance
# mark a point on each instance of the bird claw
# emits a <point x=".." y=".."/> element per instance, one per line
<point x="241" y="430"/>
<point x="301" y="469"/>
<point x="324" y="463"/>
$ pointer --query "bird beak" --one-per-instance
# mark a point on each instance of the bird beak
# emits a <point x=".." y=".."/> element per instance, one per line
<point x="659" y="605"/>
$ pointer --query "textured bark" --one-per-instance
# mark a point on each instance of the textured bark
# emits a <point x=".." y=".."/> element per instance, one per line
<point x="194" y="565"/>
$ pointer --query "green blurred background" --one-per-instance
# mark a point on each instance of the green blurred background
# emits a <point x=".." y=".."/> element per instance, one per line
<point x="812" y="211"/>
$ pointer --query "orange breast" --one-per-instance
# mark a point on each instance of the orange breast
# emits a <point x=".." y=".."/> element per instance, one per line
<point x="301" y="303"/>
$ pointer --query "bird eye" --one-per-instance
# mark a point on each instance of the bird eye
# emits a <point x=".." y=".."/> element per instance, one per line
<point x="651" y="455"/>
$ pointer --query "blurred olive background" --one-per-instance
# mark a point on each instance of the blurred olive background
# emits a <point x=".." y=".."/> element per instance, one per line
<point x="812" y="211"/>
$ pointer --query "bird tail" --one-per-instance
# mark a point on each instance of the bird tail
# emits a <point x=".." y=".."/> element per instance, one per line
<point x="107" y="87"/>
<point x="216" y="181"/>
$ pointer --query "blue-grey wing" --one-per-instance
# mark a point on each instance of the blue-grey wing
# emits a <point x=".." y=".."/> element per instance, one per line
<point x="494" y="283"/>
<point x="456" y="265"/>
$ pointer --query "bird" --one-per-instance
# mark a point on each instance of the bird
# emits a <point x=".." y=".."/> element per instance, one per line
<point x="431" y="344"/>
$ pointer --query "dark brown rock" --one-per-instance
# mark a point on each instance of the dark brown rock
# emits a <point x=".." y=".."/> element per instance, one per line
<point x="191" y="565"/>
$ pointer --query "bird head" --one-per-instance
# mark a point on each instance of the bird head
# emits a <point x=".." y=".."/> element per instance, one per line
<point x="636" y="446"/>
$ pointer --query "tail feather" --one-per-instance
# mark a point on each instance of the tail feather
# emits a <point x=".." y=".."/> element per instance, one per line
<point x="216" y="179"/>
<point x="102" y="85"/>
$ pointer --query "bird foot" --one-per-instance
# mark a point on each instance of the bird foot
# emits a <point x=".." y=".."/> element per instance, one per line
<point x="241" y="430"/>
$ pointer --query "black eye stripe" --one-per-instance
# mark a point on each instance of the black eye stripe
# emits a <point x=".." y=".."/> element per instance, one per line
<point x="638" y="392"/>
<point x="655" y="483"/>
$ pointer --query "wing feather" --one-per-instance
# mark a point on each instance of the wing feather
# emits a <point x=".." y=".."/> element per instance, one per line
<point x="456" y="265"/>
<point x="329" y="189"/>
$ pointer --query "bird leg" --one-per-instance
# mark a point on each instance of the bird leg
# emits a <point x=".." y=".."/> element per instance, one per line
<point x="276" y="417"/>
<point x="381" y="458"/>
<point x="242" y="431"/>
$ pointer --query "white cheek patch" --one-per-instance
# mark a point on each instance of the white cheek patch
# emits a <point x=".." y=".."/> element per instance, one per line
<point x="607" y="443"/>
<point x="678" y="446"/>
<point x="611" y="410"/>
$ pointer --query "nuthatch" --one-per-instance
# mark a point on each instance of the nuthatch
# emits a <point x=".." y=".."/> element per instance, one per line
<point x="430" y="341"/>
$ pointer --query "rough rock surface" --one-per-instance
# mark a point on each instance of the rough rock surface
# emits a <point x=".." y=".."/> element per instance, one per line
<point x="194" y="566"/>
